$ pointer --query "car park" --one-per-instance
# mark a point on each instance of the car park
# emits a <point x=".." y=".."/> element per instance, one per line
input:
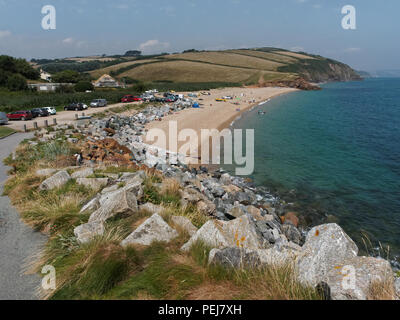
<point x="20" y="115"/>
<point x="98" y="103"/>
<point x="51" y="110"/>
<point x="39" y="112"/>
<point x="76" y="107"/>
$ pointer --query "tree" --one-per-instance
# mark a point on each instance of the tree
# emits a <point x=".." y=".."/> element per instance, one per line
<point x="133" y="53"/>
<point x="16" y="82"/>
<point x="66" y="76"/>
<point x="26" y="70"/>
<point x="83" y="86"/>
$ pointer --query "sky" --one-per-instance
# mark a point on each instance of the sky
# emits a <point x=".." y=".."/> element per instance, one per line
<point x="90" y="27"/>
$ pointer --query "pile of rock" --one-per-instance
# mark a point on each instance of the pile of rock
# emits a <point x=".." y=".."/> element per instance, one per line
<point x="107" y="151"/>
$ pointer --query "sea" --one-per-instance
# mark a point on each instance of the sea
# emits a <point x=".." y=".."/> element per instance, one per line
<point x="334" y="155"/>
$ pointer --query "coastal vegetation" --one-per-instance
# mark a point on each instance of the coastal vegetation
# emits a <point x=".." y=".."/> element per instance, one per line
<point x="102" y="268"/>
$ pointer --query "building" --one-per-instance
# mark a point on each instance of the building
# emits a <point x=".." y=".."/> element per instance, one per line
<point x="45" y="75"/>
<point x="106" y="81"/>
<point x="48" y="87"/>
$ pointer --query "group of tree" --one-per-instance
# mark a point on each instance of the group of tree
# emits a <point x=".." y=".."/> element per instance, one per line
<point x="15" y="72"/>
<point x="82" y="81"/>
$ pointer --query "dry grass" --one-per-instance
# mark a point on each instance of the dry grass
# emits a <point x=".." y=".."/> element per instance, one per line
<point x="187" y="71"/>
<point x="382" y="290"/>
<point x="267" y="55"/>
<point x="295" y="55"/>
<point x="230" y="59"/>
<point x="170" y="186"/>
<point x="99" y="72"/>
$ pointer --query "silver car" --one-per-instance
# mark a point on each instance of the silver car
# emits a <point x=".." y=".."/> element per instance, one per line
<point x="98" y="103"/>
<point x="3" y="118"/>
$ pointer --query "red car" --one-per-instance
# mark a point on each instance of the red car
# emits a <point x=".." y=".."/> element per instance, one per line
<point x="130" y="98"/>
<point x="20" y="115"/>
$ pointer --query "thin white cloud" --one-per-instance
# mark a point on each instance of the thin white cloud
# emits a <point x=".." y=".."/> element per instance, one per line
<point x="352" y="50"/>
<point x="153" y="45"/>
<point x="4" y="33"/>
<point x="68" y="41"/>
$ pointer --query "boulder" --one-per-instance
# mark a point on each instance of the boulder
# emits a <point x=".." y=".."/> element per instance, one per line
<point x="152" y="208"/>
<point x="206" y="207"/>
<point x="326" y="246"/>
<point x="234" y="258"/>
<point x="238" y="257"/>
<point x="366" y="271"/>
<point x="240" y="233"/>
<point x="279" y="255"/>
<point x="112" y="188"/>
<point x="92" y="205"/>
<point x="236" y="212"/>
<point x="85" y="232"/>
<point x="292" y="233"/>
<point x="94" y="183"/>
<point x="291" y="217"/>
<point x="231" y="188"/>
<point x="83" y="173"/>
<point x="255" y="213"/>
<point x="153" y="229"/>
<point x="56" y="181"/>
<point x="121" y="201"/>
<point x="185" y="224"/>
<point x="45" y="172"/>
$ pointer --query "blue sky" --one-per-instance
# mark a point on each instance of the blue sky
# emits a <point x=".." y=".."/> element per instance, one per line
<point x="86" y="27"/>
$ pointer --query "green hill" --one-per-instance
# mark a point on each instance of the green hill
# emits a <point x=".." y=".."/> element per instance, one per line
<point x="242" y="66"/>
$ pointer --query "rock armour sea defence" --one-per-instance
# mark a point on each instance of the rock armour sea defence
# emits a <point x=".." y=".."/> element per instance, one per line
<point x="247" y="226"/>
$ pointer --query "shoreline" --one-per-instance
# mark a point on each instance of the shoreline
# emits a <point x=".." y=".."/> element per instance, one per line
<point x="214" y="115"/>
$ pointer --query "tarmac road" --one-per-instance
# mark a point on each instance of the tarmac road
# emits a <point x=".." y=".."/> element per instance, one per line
<point x="17" y="241"/>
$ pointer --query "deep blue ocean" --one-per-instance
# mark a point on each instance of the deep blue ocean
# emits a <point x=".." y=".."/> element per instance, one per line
<point x="335" y="154"/>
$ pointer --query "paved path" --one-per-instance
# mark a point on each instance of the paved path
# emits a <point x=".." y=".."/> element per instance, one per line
<point x="17" y="241"/>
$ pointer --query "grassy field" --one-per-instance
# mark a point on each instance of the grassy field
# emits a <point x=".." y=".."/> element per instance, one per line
<point x="5" y="131"/>
<point x="229" y="59"/>
<point x="189" y="71"/>
<point x="99" y="72"/>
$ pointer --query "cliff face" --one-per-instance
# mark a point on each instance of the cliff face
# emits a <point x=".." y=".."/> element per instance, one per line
<point x="321" y="70"/>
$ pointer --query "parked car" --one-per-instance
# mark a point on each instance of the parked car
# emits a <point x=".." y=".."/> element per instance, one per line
<point x="51" y="110"/>
<point x="158" y="99"/>
<point x="20" y="115"/>
<point x="39" y="112"/>
<point x="76" y="106"/>
<point x="98" y="103"/>
<point x="128" y="98"/>
<point x="3" y="118"/>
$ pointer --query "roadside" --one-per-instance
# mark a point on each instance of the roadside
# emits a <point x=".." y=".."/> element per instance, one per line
<point x="5" y="132"/>
<point x="18" y="241"/>
<point x="63" y="117"/>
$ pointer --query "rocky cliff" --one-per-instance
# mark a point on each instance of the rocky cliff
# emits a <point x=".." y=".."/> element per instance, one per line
<point x="321" y="70"/>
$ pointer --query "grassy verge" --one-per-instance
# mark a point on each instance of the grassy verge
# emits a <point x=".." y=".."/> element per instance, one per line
<point x="102" y="269"/>
<point x="5" y="131"/>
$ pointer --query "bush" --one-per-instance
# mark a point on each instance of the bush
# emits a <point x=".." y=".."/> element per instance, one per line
<point x="83" y="86"/>
<point x="16" y="82"/>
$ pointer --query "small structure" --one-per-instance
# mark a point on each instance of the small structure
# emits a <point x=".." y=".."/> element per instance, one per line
<point x="48" y="87"/>
<point x="45" y="75"/>
<point x="106" y="81"/>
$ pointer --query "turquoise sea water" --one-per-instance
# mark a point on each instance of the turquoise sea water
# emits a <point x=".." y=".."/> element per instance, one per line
<point x="335" y="153"/>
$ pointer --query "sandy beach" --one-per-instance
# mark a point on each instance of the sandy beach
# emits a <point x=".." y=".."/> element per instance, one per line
<point x="213" y="114"/>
